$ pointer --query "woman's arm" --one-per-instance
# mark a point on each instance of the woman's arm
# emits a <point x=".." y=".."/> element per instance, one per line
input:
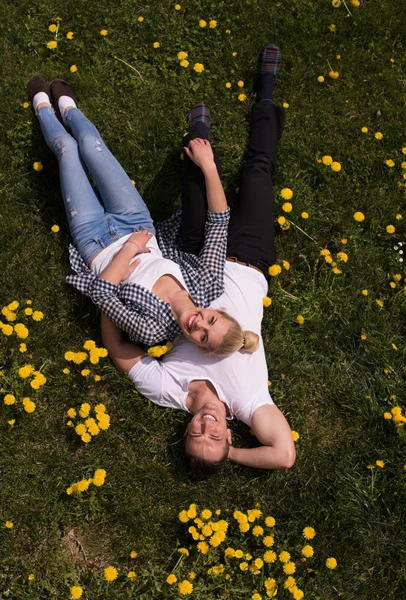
<point x="201" y="153"/>
<point x="121" y="266"/>
<point x="124" y="354"/>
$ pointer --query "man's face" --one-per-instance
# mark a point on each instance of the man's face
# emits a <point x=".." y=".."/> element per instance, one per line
<point x="207" y="433"/>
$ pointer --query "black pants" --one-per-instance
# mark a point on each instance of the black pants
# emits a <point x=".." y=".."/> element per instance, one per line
<point x="251" y="229"/>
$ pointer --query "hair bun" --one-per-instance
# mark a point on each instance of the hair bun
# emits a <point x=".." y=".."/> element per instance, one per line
<point x="250" y="341"/>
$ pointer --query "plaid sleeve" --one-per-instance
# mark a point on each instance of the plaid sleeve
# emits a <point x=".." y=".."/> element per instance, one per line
<point x="139" y="326"/>
<point x="214" y="250"/>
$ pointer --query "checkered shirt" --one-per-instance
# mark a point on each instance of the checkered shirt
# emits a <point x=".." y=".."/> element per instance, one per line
<point x="145" y="317"/>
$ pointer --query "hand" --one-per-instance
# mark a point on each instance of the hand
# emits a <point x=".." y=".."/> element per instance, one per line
<point x="200" y="152"/>
<point x="131" y="268"/>
<point x="137" y="242"/>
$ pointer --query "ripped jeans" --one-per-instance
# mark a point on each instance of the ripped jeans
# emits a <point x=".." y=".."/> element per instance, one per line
<point x="92" y="225"/>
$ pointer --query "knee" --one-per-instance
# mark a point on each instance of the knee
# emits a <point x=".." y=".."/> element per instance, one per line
<point x="88" y="142"/>
<point x="63" y="144"/>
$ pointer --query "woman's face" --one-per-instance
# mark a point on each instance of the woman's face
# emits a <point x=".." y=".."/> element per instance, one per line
<point x="205" y="327"/>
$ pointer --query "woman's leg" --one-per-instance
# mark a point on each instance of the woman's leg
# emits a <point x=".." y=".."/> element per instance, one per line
<point x="120" y="197"/>
<point x="194" y="198"/>
<point x="84" y="212"/>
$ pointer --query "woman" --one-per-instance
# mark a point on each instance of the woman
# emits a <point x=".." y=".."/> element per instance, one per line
<point x="117" y="260"/>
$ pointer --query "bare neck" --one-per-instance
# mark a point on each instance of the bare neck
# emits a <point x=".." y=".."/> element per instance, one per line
<point x="201" y="391"/>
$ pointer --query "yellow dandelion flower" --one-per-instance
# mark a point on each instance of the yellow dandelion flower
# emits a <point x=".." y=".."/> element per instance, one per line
<point x="295" y="436"/>
<point x="274" y="270"/>
<point x="86" y="438"/>
<point x="203" y="547"/>
<point x="9" y="399"/>
<point x="198" y="67"/>
<point x="104" y="32"/>
<point x="286" y="194"/>
<point x="257" y="531"/>
<point x="228" y="85"/>
<point x="269" y="556"/>
<point x="171" y="579"/>
<point x="37" y="315"/>
<point x="287" y="207"/>
<point x="9" y="524"/>
<point x="133" y="554"/>
<point x="242" y="97"/>
<point x="184" y="551"/>
<point x="309" y="533"/>
<point x="359" y="216"/>
<point x="320" y="79"/>
<point x="331" y="563"/>
<point x="25" y="104"/>
<point x="363" y="337"/>
<point x="333" y="74"/>
<point x="364" y="129"/>
<point x="181" y="55"/>
<point x="268" y="541"/>
<point x="177" y="7"/>
<point x="110" y="573"/>
<point x="52" y="45"/>
<point x="378" y="135"/>
<point x="300" y="319"/>
<point x="335" y="166"/>
<point x="380" y="463"/>
<point x="380" y="303"/>
<point x="99" y="477"/>
<point x="327" y="160"/>
<point x="389" y="162"/>
<point x="70" y="35"/>
<point x="387" y="415"/>
<point x="289" y="568"/>
<point x="37" y="166"/>
<point x="356" y="3"/>
<point x="29" y="405"/>
<point x="156" y="45"/>
<point x="212" y="24"/>
<point x="71" y="412"/>
<point x="202" y="23"/>
<point x="73" y="68"/>
<point x="131" y="574"/>
<point x="234" y="54"/>
<point x="80" y="429"/>
<point x="270" y="522"/>
<point x="390" y="229"/>
<point x="55" y="228"/>
<point x="304" y="215"/>
<point x="140" y="19"/>
<point x="332" y="27"/>
<point x="281" y="220"/>
<point x="267" y="301"/>
<point x="31" y="577"/>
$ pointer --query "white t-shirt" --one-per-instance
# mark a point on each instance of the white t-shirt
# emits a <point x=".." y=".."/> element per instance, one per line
<point x="152" y="264"/>
<point x="240" y="380"/>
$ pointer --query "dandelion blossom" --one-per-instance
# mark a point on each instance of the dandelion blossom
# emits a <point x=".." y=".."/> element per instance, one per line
<point x="198" y="67"/>
<point x="38" y="166"/>
<point x="52" y="45"/>
<point x="286" y="194"/>
<point x="185" y="588"/>
<point x="104" y="32"/>
<point x="76" y="592"/>
<point x="110" y="573"/>
<point x="359" y="216"/>
<point x="274" y="270"/>
<point x="300" y="319"/>
<point x="390" y="229"/>
<point x="171" y="579"/>
<point x="309" y="533"/>
<point x="331" y="563"/>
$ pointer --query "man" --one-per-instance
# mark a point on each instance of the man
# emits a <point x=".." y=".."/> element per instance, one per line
<point x="215" y="389"/>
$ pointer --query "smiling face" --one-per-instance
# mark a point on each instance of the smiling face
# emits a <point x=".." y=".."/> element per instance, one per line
<point x="207" y="433"/>
<point x="205" y="327"/>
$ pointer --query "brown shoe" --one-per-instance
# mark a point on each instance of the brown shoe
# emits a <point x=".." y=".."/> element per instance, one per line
<point x="38" y="83"/>
<point x="59" y="88"/>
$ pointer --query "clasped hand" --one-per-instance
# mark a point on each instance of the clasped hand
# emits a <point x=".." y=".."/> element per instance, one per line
<point x="136" y="244"/>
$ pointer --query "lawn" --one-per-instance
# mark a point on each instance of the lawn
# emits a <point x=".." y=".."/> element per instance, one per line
<point x="334" y="332"/>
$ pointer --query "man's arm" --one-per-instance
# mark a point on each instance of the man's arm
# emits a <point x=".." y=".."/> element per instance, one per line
<point x="124" y="354"/>
<point x="271" y="429"/>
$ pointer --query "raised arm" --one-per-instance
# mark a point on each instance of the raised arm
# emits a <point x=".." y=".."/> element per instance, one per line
<point x="271" y="429"/>
<point x="201" y="153"/>
<point x="124" y="354"/>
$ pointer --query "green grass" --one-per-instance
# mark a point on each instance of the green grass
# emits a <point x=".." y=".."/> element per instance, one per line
<point x="335" y="388"/>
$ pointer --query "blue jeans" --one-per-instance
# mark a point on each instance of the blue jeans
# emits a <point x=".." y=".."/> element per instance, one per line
<point x="92" y="225"/>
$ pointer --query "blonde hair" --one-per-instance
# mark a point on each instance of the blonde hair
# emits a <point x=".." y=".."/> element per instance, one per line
<point x="235" y="338"/>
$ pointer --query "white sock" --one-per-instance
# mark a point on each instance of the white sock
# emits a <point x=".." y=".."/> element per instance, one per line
<point x="65" y="102"/>
<point x="39" y="98"/>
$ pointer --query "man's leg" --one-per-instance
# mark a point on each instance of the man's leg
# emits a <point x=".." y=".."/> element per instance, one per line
<point x="194" y="198"/>
<point x="251" y="231"/>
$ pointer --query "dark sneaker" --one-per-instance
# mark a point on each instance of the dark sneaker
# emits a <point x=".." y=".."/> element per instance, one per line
<point x="269" y="60"/>
<point x="59" y="88"/>
<point x="199" y="113"/>
<point x="38" y="83"/>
